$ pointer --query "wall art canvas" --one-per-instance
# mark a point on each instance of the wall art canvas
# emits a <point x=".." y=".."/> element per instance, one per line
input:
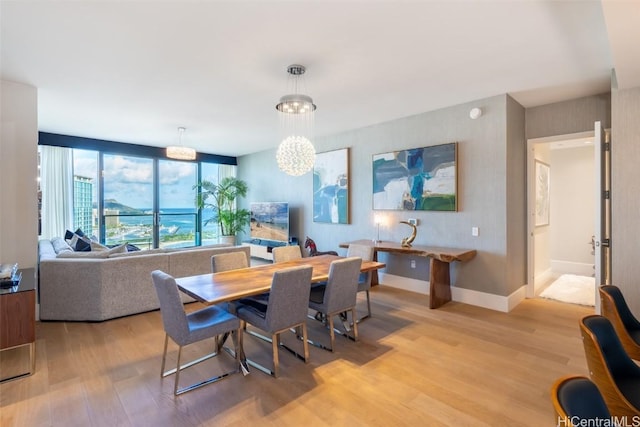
<point x="542" y="193"/>
<point x="331" y="187"/>
<point x="418" y="179"/>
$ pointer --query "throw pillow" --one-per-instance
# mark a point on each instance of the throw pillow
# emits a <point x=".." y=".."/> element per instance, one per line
<point x="97" y="247"/>
<point x="80" y="243"/>
<point x="132" y="248"/>
<point x="120" y="249"/>
<point x="59" y="245"/>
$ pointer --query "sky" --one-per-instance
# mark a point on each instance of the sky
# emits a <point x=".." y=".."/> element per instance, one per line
<point x="129" y="179"/>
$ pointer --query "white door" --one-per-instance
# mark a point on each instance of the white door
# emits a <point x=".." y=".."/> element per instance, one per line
<point x="602" y="216"/>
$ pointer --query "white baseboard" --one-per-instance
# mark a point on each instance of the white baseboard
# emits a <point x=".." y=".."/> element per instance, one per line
<point x="540" y="281"/>
<point x="467" y="296"/>
<point x="406" y="283"/>
<point x="490" y="301"/>
<point x="568" y="267"/>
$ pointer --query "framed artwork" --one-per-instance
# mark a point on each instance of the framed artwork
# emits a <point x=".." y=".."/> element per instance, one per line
<point x="331" y="187"/>
<point x="418" y="179"/>
<point x="542" y="193"/>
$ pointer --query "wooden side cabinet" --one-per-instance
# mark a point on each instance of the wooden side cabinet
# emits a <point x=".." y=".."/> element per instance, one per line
<point x="17" y="327"/>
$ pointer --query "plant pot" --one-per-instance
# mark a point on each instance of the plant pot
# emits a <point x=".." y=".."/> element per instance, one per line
<point x="230" y="240"/>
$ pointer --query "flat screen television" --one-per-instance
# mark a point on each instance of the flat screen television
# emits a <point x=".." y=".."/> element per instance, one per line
<point x="270" y="221"/>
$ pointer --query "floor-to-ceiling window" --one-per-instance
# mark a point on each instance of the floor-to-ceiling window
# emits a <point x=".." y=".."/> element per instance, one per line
<point x="144" y="200"/>
<point x="128" y="201"/>
<point x="178" y="214"/>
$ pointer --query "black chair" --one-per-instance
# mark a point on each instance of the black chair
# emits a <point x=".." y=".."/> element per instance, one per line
<point x="615" y="308"/>
<point x="610" y="367"/>
<point x="576" y="398"/>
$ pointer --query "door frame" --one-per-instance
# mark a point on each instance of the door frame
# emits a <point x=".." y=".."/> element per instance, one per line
<point x="531" y="290"/>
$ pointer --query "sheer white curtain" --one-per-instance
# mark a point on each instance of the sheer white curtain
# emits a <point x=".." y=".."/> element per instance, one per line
<point x="56" y="183"/>
<point x="225" y="171"/>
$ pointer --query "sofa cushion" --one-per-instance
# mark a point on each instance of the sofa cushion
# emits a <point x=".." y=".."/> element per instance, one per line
<point x="59" y="245"/>
<point x="46" y="250"/>
<point x="136" y="253"/>
<point x="85" y="254"/>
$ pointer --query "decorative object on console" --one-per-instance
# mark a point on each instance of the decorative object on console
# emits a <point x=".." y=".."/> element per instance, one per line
<point x="180" y="152"/>
<point x="313" y="250"/>
<point x="9" y="275"/>
<point x="331" y="187"/>
<point x="421" y="179"/>
<point x="296" y="154"/>
<point x="230" y="219"/>
<point x="407" y="241"/>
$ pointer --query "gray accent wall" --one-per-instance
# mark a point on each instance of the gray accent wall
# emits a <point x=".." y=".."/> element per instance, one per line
<point x="491" y="190"/>
<point x="567" y="117"/>
<point x="516" y="197"/>
<point x="625" y="201"/>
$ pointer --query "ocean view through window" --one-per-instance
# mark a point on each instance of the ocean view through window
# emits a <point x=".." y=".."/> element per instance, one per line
<point x="142" y="201"/>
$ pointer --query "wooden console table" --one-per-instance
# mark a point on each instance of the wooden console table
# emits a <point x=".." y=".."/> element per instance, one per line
<point x="440" y="260"/>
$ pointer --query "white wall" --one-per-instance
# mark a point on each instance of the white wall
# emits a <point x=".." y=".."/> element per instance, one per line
<point x="18" y="172"/>
<point x="573" y="209"/>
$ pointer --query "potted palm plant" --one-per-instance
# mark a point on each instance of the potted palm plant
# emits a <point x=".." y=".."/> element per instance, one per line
<point x="221" y="198"/>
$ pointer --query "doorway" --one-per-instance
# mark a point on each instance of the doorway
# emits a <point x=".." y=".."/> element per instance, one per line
<point x="562" y="205"/>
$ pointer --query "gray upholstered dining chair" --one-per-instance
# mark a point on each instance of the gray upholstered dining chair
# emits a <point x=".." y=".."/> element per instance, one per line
<point x="364" y="280"/>
<point x="228" y="261"/>
<point x="286" y="308"/>
<point x="286" y="253"/>
<point x="232" y="261"/>
<point x="189" y="328"/>
<point x="337" y="296"/>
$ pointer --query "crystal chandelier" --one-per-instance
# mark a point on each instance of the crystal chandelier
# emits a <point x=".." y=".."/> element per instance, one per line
<point x="296" y="154"/>
<point x="180" y="152"/>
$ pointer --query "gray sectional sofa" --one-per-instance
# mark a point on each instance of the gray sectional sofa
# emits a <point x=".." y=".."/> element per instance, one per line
<point x="109" y="285"/>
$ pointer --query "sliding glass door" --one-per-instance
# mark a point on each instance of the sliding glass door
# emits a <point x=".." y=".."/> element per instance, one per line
<point x="177" y="211"/>
<point x="128" y="200"/>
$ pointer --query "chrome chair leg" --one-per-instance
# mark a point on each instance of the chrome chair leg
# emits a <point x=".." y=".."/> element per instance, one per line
<point x="276" y="344"/>
<point x="175" y="383"/>
<point x="164" y="355"/>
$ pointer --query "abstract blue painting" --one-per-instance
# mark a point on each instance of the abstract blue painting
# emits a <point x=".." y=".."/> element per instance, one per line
<point x="418" y="179"/>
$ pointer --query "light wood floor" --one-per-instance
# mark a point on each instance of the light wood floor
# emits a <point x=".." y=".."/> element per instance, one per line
<point x="458" y="365"/>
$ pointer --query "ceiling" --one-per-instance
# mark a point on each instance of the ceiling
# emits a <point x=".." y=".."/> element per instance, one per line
<point x="134" y="71"/>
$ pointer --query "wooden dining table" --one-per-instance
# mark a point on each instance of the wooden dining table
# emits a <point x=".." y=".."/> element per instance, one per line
<point x="214" y="288"/>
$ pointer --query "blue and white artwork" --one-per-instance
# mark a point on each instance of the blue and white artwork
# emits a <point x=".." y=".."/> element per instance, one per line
<point x="331" y="187"/>
<point x="418" y="179"/>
